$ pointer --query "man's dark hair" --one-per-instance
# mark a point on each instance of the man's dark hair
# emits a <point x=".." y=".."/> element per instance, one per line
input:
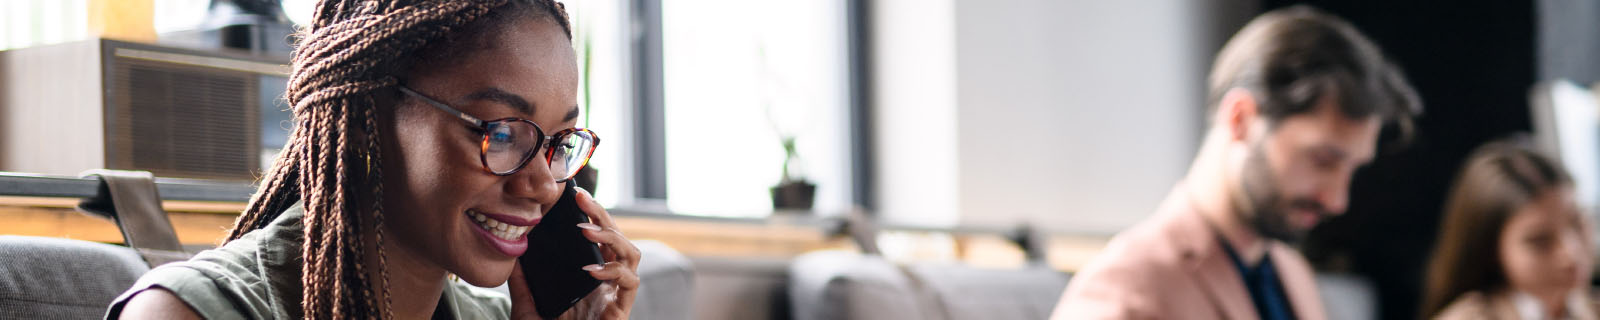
<point x="1289" y="58"/>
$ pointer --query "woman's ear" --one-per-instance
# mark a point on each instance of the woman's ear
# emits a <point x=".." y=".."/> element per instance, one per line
<point x="385" y="104"/>
<point x="388" y="99"/>
<point x="388" y="104"/>
<point x="1236" y="112"/>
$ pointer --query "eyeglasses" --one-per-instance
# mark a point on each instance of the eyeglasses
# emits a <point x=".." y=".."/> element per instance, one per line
<point x="509" y="143"/>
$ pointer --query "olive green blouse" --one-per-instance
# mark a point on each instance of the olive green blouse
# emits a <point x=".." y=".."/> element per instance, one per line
<point x="258" y="277"/>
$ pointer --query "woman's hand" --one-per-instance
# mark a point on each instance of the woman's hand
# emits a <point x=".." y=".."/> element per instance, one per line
<point x="619" y="276"/>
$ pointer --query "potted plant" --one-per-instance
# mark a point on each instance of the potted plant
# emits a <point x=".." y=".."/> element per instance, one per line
<point x="793" y="192"/>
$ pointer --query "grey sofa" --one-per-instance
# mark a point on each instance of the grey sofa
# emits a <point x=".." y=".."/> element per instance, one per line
<point x="848" y="285"/>
<point x="62" y="278"/>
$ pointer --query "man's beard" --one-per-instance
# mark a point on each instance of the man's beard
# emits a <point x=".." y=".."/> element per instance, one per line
<point x="1265" y="209"/>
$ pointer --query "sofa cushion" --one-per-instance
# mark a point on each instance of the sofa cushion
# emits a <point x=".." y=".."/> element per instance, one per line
<point x="848" y="285"/>
<point x="965" y="292"/>
<point x="61" y="278"/>
<point x="666" y="283"/>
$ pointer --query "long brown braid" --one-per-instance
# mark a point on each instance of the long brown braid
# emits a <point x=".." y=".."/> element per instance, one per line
<point x="351" y="53"/>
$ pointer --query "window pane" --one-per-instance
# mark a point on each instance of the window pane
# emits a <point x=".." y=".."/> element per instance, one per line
<point x="183" y="15"/>
<point x="28" y="23"/>
<point x="738" y="75"/>
<point x="602" y="24"/>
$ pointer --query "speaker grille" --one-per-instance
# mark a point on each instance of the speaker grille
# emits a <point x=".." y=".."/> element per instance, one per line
<point x="183" y="121"/>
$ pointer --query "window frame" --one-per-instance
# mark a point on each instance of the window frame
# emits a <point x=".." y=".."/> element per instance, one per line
<point x="649" y="155"/>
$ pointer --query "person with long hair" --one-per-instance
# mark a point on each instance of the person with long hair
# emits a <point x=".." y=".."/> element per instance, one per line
<point x="429" y="136"/>
<point x="1513" y="244"/>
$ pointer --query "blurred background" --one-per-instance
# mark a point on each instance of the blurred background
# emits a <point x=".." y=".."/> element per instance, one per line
<point x="996" y="142"/>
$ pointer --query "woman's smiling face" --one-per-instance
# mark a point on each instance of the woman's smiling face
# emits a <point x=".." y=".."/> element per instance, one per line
<point x="1544" y="246"/>
<point x="434" y="182"/>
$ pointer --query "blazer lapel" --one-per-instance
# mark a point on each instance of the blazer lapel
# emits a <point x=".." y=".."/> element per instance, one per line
<point x="1224" y="287"/>
<point x="1208" y="264"/>
<point x="1299" y="282"/>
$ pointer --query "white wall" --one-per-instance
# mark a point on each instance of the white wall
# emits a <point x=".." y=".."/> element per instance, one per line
<point x="1075" y="116"/>
<point x="914" y="128"/>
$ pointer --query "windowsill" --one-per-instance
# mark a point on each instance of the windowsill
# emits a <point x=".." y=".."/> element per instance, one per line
<point x="201" y="211"/>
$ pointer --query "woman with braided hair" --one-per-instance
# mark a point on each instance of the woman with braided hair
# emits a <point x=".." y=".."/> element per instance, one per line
<point x="429" y="136"/>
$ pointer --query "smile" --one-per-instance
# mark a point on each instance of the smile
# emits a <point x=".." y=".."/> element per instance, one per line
<point x="500" y="229"/>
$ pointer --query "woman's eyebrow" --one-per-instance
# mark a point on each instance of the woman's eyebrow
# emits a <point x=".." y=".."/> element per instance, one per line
<point x="503" y="97"/>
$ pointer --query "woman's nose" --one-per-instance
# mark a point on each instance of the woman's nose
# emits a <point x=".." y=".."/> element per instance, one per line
<point x="1573" y="253"/>
<point x="535" y="181"/>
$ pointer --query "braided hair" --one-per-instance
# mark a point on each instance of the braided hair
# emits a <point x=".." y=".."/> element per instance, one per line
<point x="351" y="53"/>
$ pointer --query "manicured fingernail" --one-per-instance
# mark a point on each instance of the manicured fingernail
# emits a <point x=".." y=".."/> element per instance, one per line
<point x="593" y="267"/>
<point x="589" y="226"/>
<point x="588" y="195"/>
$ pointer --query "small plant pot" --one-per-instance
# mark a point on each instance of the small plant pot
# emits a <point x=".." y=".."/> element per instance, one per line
<point x="793" y="195"/>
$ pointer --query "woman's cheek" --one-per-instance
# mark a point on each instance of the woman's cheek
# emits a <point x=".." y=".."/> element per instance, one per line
<point x="1582" y="258"/>
<point x="1521" y="265"/>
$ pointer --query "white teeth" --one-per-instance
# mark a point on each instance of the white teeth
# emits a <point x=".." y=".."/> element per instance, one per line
<point x="498" y="229"/>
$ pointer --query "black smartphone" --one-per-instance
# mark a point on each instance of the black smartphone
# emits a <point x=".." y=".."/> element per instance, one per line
<point x="557" y="253"/>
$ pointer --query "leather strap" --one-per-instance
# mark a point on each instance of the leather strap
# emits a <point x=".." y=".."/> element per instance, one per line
<point x="130" y="198"/>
